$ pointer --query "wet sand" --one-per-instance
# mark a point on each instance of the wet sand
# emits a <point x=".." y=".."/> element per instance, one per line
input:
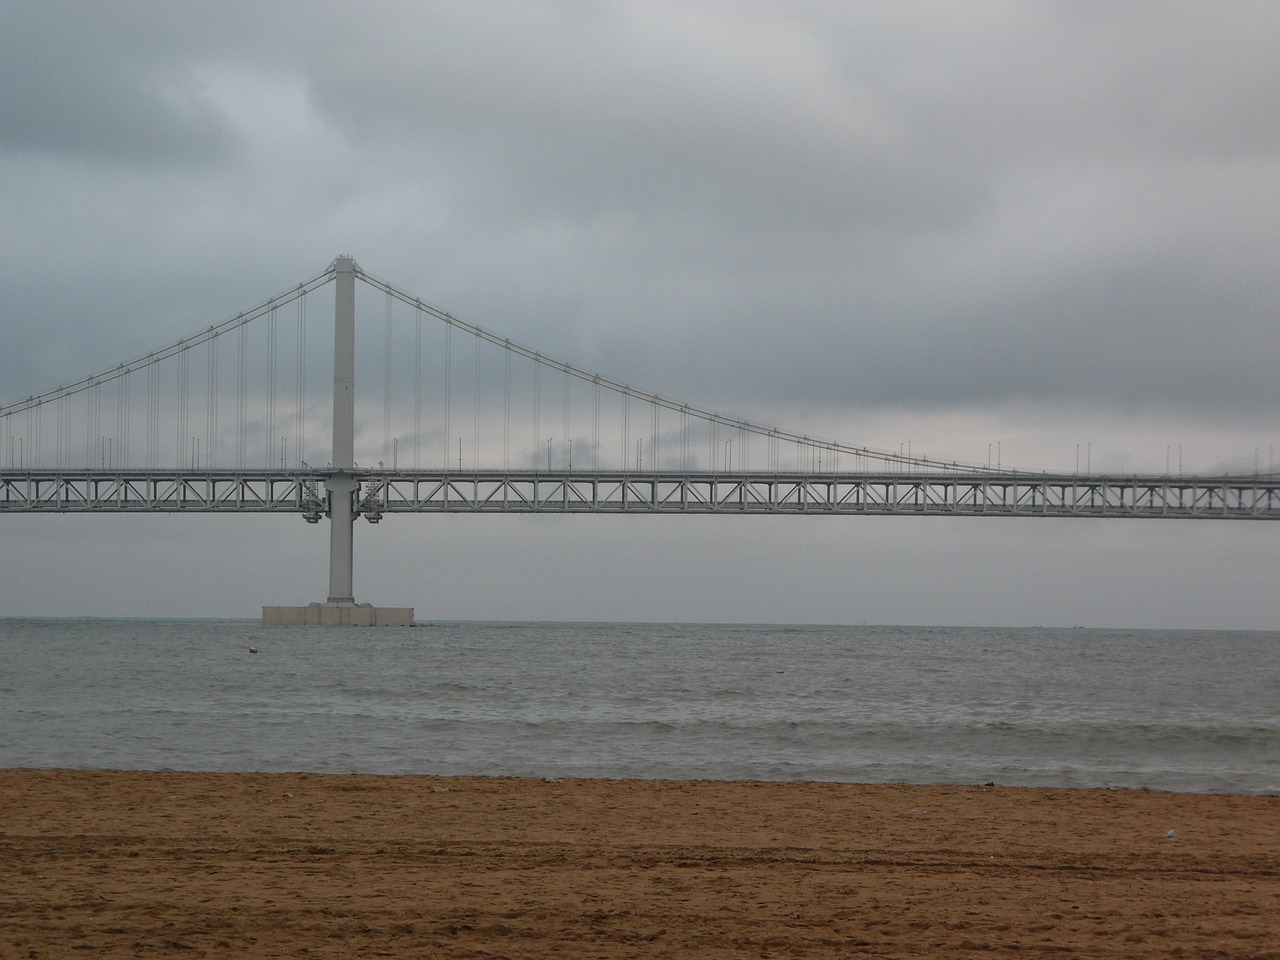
<point x="293" y="865"/>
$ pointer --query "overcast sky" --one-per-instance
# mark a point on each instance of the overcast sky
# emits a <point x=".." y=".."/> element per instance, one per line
<point x="1038" y="224"/>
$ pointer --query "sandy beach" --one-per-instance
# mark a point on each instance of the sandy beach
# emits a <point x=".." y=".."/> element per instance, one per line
<point x="290" y="865"/>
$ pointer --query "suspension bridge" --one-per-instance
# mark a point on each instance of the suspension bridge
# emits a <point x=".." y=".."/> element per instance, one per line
<point x="243" y="417"/>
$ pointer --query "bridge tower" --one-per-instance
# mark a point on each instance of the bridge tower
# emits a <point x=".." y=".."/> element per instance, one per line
<point x="340" y="484"/>
<point x="340" y="609"/>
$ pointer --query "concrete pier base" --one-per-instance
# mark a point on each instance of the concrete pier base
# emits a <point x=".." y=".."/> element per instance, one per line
<point x="338" y="615"/>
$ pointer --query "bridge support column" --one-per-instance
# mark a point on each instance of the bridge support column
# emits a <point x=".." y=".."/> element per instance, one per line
<point x="341" y="538"/>
<point x="341" y="609"/>
<point x="341" y="487"/>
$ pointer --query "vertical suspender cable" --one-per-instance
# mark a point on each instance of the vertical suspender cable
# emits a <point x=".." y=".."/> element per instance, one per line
<point x="566" y="442"/>
<point x="90" y="434"/>
<point x="626" y="423"/>
<point x="125" y="460"/>
<point x="155" y="415"/>
<point x="184" y="359"/>
<point x="146" y="416"/>
<point x="271" y="387"/>
<point x="448" y="373"/>
<point x="506" y="407"/>
<point x="96" y="433"/>
<point x="241" y="390"/>
<point x="120" y="414"/>
<point x="417" y="387"/>
<point x="153" y="406"/>
<point x="211" y="404"/>
<point x="595" y="425"/>
<point x="537" y="400"/>
<point x="300" y="418"/>
<point x="88" y="427"/>
<point x="386" y="382"/>
<point x="475" y="412"/>
<point x="180" y="421"/>
<point x="215" y="346"/>
<point x="653" y="443"/>
<point x="684" y="438"/>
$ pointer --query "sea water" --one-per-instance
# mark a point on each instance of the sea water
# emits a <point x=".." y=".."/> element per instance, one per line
<point x="1170" y="710"/>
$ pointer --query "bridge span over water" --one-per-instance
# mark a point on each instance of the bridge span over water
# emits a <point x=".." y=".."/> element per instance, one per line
<point x="226" y="421"/>
<point x="995" y="494"/>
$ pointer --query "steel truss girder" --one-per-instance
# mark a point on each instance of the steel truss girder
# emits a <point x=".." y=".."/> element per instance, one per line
<point x="892" y="494"/>
<point x="141" y="491"/>
<point x="1011" y="495"/>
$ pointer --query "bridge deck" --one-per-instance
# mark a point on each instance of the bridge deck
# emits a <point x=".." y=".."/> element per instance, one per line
<point x="857" y="494"/>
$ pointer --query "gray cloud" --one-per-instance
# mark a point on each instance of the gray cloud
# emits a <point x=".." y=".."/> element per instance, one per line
<point x="98" y="82"/>
<point x="886" y="181"/>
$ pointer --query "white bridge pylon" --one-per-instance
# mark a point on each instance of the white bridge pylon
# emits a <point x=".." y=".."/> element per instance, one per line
<point x="341" y="482"/>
